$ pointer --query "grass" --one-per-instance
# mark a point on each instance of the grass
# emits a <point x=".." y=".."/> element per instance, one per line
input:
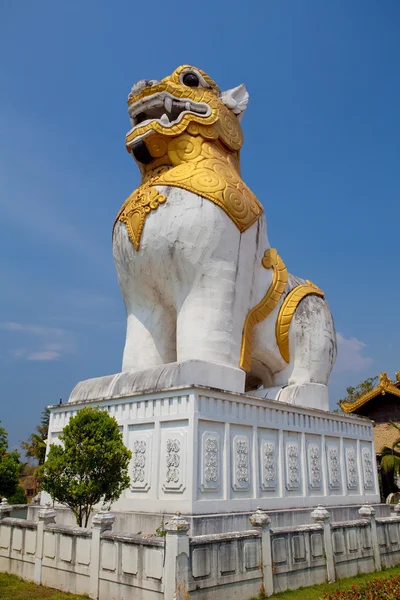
<point x="14" y="588"/>
<point x="316" y="592"/>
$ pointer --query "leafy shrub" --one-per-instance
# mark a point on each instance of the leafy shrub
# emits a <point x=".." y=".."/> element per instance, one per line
<point x="18" y="497"/>
<point x="376" y="589"/>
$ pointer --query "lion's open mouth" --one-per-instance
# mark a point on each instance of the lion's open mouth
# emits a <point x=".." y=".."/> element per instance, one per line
<point x="165" y="109"/>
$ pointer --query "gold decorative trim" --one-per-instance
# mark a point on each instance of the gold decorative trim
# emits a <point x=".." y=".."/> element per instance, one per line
<point x="138" y="205"/>
<point x="287" y="311"/>
<point x="271" y="260"/>
<point x="198" y="166"/>
<point x="384" y="386"/>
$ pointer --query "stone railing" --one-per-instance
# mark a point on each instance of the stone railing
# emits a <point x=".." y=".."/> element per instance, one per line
<point x="106" y="564"/>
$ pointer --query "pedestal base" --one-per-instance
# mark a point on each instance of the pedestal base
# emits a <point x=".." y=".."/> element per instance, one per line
<point x="203" y="451"/>
<point x="163" y="377"/>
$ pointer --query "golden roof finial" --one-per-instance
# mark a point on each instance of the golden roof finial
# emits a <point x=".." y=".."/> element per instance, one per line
<point x="384" y="382"/>
<point x="398" y="376"/>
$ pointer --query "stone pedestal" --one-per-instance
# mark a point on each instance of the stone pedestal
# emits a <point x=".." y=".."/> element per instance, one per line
<point x="205" y="452"/>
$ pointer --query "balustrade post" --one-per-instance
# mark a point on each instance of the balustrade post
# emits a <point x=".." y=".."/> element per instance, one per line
<point x="5" y="509"/>
<point x="261" y="521"/>
<point x="176" y="565"/>
<point x="46" y="515"/>
<point x="322" y="516"/>
<point x="102" y="521"/>
<point x="368" y="512"/>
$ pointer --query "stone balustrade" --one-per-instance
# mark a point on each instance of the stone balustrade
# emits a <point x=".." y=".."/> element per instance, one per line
<point x="103" y="563"/>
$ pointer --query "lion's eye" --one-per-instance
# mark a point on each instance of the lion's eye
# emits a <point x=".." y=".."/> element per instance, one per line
<point x="191" y="80"/>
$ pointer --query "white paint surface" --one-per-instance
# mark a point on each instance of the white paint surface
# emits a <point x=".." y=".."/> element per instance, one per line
<point x="188" y="289"/>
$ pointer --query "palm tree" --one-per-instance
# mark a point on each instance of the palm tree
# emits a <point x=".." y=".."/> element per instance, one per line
<point x="390" y="461"/>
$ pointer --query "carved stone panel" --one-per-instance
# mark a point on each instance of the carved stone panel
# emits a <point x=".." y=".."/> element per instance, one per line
<point x="293" y="475"/>
<point x="108" y="552"/>
<point x="17" y="539"/>
<point x="279" y="550"/>
<point x="381" y="534"/>
<point x="333" y="461"/>
<point x="268" y="465"/>
<point x="141" y="448"/>
<point x="66" y="548"/>
<point x="317" y="545"/>
<point x="227" y="554"/>
<point x="338" y="542"/>
<point x="352" y="540"/>
<point x="351" y="467"/>
<point x="201" y="562"/>
<point x="83" y="550"/>
<point x="210" y="465"/>
<point x="393" y="534"/>
<point x="130" y="559"/>
<point x="368" y="468"/>
<point x="49" y="545"/>
<point x="5" y="536"/>
<point x="366" y="538"/>
<point x="241" y="463"/>
<point x="252" y="555"/>
<point x="173" y="460"/>
<point x="298" y="548"/>
<point x="30" y="541"/>
<point x="154" y="563"/>
<point x="314" y="466"/>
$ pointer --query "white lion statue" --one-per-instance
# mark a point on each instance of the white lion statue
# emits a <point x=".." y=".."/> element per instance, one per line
<point x="198" y="276"/>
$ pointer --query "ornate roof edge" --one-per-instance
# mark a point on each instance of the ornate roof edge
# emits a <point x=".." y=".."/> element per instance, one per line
<point x="384" y="386"/>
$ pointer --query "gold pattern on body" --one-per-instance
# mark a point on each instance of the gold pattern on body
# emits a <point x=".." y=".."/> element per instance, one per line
<point x="198" y="166"/>
<point x="137" y="206"/>
<point x="287" y="311"/>
<point x="258" y="313"/>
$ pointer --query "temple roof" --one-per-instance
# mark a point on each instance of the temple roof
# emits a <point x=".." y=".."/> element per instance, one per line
<point x="385" y="386"/>
<point x="385" y="435"/>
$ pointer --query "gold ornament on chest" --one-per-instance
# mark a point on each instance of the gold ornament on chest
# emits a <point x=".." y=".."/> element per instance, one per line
<point x="197" y="166"/>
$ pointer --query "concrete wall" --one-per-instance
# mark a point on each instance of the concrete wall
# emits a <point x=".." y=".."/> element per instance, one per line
<point x="107" y="564"/>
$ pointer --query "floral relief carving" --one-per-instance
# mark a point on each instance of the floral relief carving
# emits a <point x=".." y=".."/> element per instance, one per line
<point x="314" y="465"/>
<point x="351" y="467"/>
<point x="173" y="460"/>
<point x="211" y="460"/>
<point x="269" y="464"/>
<point x="333" y="466"/>
<point x="368" y="469"/>
<point x="242" y="461"/>
<point x="139" y="461"/>
<point x="293" y="466"/>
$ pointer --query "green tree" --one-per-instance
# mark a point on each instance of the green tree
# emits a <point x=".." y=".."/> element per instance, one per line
<point x="354" y="393"/>
<point x="19" y="496"/>
<point x="35" y="446"/>
<point x="10" y="467"/>
<point x="91" y="466"/>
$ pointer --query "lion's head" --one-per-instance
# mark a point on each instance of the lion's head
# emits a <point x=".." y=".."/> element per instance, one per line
<point x="187" y="101"/>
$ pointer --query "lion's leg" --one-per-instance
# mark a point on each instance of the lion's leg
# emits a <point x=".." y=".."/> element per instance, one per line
<point x="207" y="319"/>
<point x="312" y="343"/>
<point x="150" y="338"/>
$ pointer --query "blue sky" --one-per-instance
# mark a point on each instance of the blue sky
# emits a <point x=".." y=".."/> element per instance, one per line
<point x="322" y="150"/>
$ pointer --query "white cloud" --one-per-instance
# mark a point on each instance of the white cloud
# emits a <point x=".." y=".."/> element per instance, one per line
<point x="43" y="356"/>
<point x="350" y="356"/>
<point x="34" y="329"/>
<point x="49" y="343"/>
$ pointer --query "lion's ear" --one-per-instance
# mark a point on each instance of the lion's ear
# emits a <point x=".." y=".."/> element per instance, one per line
<point x="236" y="99"/>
